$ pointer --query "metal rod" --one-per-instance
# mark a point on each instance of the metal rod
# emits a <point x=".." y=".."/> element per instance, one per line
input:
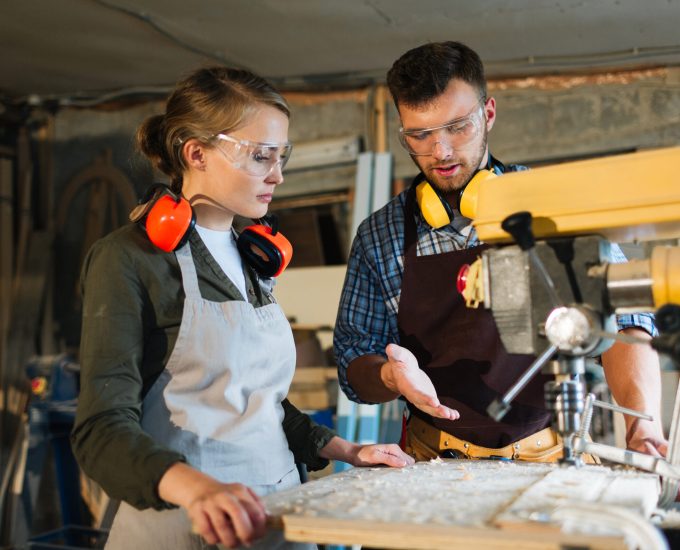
<point x="623" y="410"/>
<point x="547" y="280"/>
<point x="529" y="374"/>
<point x="657" y="465"/>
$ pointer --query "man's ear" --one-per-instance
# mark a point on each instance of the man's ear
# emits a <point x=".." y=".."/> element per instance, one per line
<point x="490" y="113"/>
<point x="194" y="154"/>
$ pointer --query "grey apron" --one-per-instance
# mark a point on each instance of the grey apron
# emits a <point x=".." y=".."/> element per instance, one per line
<point x="218" y="402"/>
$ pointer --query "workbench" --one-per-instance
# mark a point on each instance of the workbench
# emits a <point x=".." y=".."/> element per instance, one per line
<point x="444" y="504"/>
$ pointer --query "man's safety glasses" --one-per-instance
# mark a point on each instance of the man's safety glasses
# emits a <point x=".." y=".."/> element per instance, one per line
<point x="455" y="134"/>
<point x="254" y="158"/>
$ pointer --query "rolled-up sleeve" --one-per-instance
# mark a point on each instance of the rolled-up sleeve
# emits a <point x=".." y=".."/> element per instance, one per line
<point x="362" y="323"/>
<point x="305" y="437"/>
<point x="645" y="321"/>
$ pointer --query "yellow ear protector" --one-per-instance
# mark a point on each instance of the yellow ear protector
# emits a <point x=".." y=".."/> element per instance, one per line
<point x="435" y="208"/>
<point x="168" y="220"/>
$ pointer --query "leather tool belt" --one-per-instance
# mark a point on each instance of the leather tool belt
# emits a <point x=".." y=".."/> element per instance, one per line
<point x="425" y="442"/>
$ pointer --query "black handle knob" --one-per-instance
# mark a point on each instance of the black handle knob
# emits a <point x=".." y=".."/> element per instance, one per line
<point x="668" y="319"/>
<point x="519" y="226"/>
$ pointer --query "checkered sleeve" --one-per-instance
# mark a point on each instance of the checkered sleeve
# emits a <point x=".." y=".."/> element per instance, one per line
<point x="645" y="321"/>
<point x="361" y="327"/>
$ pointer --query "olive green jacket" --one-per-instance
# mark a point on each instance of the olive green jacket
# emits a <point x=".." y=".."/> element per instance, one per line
<point x="132" y="309"/>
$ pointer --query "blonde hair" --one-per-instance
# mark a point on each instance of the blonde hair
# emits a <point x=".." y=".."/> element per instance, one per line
<point x="209" y="101"/>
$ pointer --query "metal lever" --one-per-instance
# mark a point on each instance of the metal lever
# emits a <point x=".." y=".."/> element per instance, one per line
<point x="499" y="407"/>
<point x="591" y="402"/>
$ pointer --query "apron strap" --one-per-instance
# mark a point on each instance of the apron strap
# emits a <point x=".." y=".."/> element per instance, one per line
<point x="189" y="277"/>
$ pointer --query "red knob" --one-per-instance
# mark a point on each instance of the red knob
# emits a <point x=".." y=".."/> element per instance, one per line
<point x="461" y="279"/>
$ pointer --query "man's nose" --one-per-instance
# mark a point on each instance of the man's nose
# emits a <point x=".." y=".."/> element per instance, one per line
<point x="441" y="150"/>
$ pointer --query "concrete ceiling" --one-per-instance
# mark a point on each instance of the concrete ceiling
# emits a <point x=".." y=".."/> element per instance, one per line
<point x="87" y="48"/>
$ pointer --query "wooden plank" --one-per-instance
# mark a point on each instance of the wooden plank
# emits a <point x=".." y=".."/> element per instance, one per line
<point x="482" y="503"/>
<point x="314" y="200"/>
<point x="432" y="537"/>
<point x="568" y="486"/>
<point x="324" y="152"/>
<point x="314" y="400"/>
<point x="380" y="125"/>
<point x="314" y="375"/>
<point x="311" y="295"/>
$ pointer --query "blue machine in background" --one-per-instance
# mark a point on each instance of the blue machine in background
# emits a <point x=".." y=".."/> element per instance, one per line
<point x="51" y="415"/>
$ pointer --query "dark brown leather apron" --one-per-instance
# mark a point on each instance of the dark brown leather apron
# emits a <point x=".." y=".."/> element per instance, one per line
<point x="460" y="350"/>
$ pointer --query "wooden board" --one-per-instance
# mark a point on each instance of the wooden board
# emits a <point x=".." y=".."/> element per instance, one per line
<point x="444" y="503"/>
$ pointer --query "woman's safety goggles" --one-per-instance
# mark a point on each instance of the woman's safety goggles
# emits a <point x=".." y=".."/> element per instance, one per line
<point x="254" y="158"/>
<point x="456" y="134"/>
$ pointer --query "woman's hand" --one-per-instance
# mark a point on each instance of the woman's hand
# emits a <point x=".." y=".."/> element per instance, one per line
<point x="227" y="513"/>
<point x="388" y="454"/>
<point x="365" y="455"/>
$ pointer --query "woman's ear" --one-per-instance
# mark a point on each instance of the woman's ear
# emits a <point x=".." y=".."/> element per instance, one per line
<point x="194" y="154"/>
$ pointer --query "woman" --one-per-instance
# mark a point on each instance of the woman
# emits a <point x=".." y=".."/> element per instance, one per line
<point x="186" y="359"/>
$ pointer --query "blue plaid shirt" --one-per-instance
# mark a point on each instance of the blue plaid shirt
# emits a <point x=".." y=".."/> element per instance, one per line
<point x="367" y="315"/>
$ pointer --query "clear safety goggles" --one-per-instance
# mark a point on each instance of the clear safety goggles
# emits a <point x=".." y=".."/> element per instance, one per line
<point x="254" y="158"/>
<point x="456" y="134"/>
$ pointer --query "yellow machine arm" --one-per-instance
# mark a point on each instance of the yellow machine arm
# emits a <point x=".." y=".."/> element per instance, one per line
<point x="625" y="198"/>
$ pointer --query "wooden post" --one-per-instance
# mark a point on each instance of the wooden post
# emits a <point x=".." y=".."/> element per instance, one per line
<point x="380" y="129"/>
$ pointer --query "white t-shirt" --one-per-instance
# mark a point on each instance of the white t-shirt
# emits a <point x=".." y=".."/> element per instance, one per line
<point x="222" y="246"/>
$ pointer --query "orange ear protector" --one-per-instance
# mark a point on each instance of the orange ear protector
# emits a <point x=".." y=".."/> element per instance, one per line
<point x="168" y="220"/>
<point x="433" y="205"/>
<point x="264" y="248"/>
<point x="166" y="217"/>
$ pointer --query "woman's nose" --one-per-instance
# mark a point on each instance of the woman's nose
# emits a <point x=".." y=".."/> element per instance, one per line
<point x="275" y="174"/>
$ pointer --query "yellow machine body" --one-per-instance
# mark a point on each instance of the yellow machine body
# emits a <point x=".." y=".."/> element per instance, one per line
<point x="665" y="275"/>
<point x="625" y="198"/>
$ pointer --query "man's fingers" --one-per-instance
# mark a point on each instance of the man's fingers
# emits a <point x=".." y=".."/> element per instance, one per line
<point x="422" y="400"/>
<point x="400" y="355"/>
<point x="442" y="411"/>
<point x="394" y="352"/>
<point x="650" y="446"/>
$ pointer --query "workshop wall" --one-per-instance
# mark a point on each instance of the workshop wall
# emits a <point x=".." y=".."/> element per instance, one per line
<point x="540" y="120"/>
<point x="544" y="119"/>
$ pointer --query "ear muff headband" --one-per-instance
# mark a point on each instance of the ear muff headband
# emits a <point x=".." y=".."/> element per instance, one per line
<point x="436" y="209"/>
<point x="168" y="220"/>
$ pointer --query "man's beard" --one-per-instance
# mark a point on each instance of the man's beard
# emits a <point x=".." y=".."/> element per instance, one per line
<point x="468" y="168"/>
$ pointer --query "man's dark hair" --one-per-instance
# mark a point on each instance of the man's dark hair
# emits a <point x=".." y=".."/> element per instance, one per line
<point x="423" y="73"/>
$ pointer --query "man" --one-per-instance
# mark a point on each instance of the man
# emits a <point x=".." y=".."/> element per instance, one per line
<point x="402" y="330"/>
